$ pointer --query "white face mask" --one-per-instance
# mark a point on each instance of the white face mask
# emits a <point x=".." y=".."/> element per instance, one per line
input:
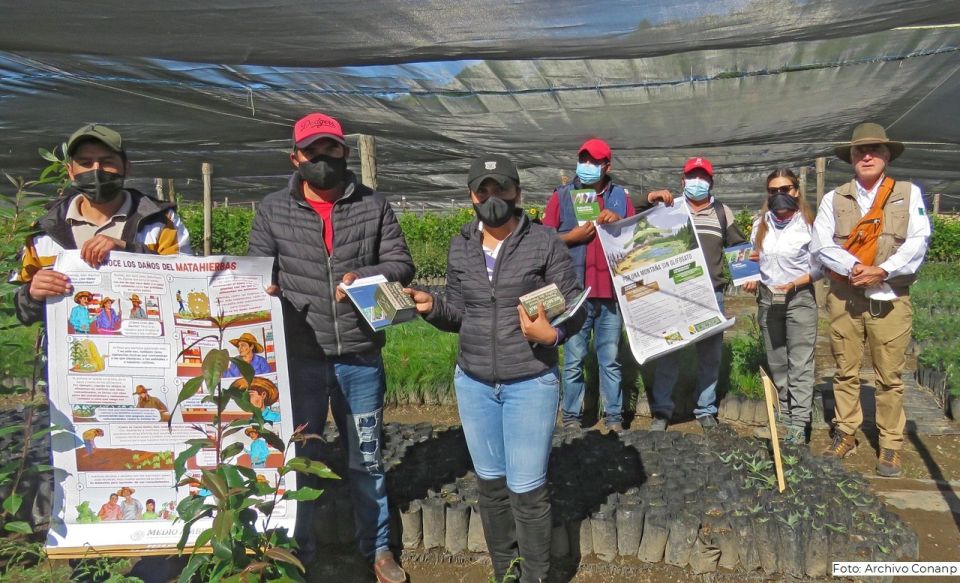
<point x="696" y="188"/>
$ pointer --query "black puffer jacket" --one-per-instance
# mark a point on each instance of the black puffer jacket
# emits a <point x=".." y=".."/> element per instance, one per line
<point x="484" y="312"/>
<point x="366" y="240"/>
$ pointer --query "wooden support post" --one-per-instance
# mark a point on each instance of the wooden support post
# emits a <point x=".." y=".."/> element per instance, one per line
<point x="770" y="396"/>
<point x="936" y="204"/>
<point x="158" y="184"/>
<point x="368" y="160"/>
<point x="803" y="182"/>
<point x="821" y="166"/>
<point x="226" y="202"/>
<point x="253" y="206"/>
<point x="171" y="195"/>
<point x="207" y="170"/>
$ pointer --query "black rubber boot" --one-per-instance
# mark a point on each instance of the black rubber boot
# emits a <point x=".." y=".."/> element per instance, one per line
<point x="534" y="528"/>
<point x="499" y="528"/>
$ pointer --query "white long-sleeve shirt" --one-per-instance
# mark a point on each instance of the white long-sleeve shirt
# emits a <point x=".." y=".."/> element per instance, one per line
<point x="905" y="261"/>
<point x="785" y="255"/>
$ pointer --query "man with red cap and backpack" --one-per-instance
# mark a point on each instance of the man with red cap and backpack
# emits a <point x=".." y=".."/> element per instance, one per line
<point x="604" y="321"/>
<point x="716" y="229"/>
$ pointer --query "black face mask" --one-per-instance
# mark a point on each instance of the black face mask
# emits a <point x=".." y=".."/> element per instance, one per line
<point x="99" y="186"/>
<point x="495" y="212"/>
<point x="782" y="202"/>
<point x="323" y="172"/>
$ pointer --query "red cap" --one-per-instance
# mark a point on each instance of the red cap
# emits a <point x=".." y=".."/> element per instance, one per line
<point x="698" y="162"/>
<point x="311" y="128"/>
<point x="598" y="149"/>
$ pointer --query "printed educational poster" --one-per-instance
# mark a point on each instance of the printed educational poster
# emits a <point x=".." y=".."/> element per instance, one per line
<point x="121" y="347"/>
<point x="661" y="281"/>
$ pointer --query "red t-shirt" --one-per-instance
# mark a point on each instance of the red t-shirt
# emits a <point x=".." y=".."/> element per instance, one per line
<point x="325" y="210"/>
<point x="596" y="273"/>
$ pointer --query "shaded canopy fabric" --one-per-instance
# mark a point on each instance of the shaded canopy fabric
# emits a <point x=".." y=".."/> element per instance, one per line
<point x="752" y="85"/>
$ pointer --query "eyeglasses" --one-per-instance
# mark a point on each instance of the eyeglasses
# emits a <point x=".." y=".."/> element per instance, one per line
<point x="779" y="190"/>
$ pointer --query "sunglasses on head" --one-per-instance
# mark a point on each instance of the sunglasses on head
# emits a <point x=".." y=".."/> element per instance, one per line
<point x="779" y="190"/>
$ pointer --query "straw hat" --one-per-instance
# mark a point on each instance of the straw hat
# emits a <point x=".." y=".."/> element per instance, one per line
<point x="140" y="390"/>
<point x="865" y="134"/>
<point x="121" y="491"/>
<point x="270" y="392"/>
<point x="249" y="431"/>
<point x="106" y="300"/>
<point x="80" y="295"/>
<point x="249" y="339"/>
<point x="135" y="298"/>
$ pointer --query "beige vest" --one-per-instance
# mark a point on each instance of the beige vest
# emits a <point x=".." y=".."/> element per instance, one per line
<point x="896" y="216"/>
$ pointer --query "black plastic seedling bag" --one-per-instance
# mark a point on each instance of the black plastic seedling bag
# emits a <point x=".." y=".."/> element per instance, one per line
<point x="680" y="541"/>
<point x="629" y="518"/>
<point x="604" y="528"/>
<point x="457" y="527"/>
<point x="411" y="524"/>
<point x="434" y="523"/>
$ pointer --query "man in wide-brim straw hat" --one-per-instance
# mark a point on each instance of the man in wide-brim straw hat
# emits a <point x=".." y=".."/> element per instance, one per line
<point x="871" y="236"/>
<point x="249" y="348"/>
<point x="146" y="401"/>
<point x="263" y="393"/>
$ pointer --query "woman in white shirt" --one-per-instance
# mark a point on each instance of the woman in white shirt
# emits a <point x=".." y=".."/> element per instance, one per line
<point x="787" y="310"/>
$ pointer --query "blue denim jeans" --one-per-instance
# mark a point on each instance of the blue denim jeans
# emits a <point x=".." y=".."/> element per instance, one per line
<point x="709" y="351"/>
<point x="604" y="322"/>
<point x="354" y="386"/>
<point x="508" y="426"/>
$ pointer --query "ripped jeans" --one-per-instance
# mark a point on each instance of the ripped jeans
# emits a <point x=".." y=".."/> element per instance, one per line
<point x="354" y="386"/>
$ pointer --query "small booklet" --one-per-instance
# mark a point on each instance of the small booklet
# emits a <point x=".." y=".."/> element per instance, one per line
<point x="742" y="269"/>
<point x="585" y="205"/>
<point x="553" y="302"/>
<point x="381" y="302"/>
<point x="572" y="309"/>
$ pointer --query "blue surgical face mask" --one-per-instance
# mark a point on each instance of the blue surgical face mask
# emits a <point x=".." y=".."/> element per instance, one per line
<point x="696" y="188"/>
<point x="589" y="173"/>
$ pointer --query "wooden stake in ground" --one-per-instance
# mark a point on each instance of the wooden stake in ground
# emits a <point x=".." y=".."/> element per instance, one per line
<point x="821" y="166"/>
<point x="207" y="170"/>
<point x="770" y="396"/>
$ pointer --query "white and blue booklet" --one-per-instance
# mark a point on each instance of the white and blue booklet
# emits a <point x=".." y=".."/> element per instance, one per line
<point x="742" y="268"/>
<point x="380" y="302"/>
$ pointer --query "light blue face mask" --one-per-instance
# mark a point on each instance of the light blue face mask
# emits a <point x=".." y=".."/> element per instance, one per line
<point x="696" y="189"/>
<point x="589" y="173"/>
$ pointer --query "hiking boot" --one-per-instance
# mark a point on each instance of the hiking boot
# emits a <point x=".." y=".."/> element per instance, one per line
<point x="843" y="445"/>
<point x="658" y="424"/>
<point x="571" y="424"/>
<point x="615" y="427"/>
<point x="889" y="464"/>
<point x="795" y="436"/>
<point x="387" y="570"/>
<point x="707" y="422"/>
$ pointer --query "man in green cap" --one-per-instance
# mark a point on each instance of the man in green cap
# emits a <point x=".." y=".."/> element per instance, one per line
<point x="871" y="236"/>
<point x="97" y="214"/>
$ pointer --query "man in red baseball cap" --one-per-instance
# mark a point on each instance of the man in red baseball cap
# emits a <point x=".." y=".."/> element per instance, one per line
<point x="716" y="229"/>
<point x="324" y="229"/>
<point x="603" y="322"/>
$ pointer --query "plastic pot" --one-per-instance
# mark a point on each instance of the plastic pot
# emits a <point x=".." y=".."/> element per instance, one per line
<point x="476" y="543"/>
<point x="747" y="552"/>
<point x="411" y="525"/>
<point x="434" y="523"/>
<point x="706" y="553"/>
<point x="815" y="550"/>
<point x="768" y="544"/>
<point x="680" y="541"/>
<point x="629" y="519"/>
<point x="457" y="528"/>
<point x="656" y="530"/>
<point x="604" y="529"/>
